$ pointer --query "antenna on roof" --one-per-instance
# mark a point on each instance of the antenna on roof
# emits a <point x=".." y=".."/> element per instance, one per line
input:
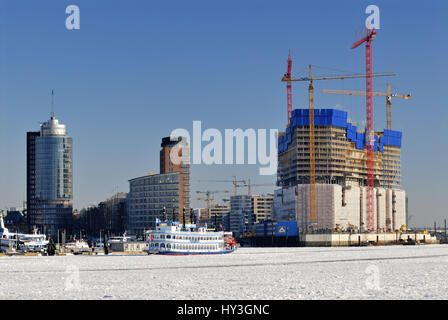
<point x="52" y="104"/>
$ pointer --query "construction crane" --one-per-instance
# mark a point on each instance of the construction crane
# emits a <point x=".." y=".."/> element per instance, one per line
<point x="250" y="185"/>
<point x="236" y="183"/>
<point x="387" y="94"/>
<point x="209" y="196"/>
<point x="289" y="87"/>
<point x="310" y="79"/>
<point x="370" y="35"/>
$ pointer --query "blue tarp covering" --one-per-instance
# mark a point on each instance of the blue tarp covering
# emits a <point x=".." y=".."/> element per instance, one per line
<point x="392" y="138"/>
<point x="337" y="118"/>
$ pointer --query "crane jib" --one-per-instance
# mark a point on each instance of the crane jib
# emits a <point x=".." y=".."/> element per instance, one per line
<point x="342" y="76"/>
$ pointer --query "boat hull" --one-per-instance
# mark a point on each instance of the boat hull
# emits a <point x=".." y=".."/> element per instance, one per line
<point x="186" y="253"/>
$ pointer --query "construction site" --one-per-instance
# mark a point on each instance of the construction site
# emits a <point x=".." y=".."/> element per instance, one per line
<point x="337" y="178"/>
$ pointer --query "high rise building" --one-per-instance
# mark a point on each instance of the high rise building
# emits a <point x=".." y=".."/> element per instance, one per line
<point x="49" y="178"/>
<point x="340" y="174"/>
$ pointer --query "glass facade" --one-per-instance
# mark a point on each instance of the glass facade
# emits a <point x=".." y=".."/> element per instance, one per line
<point x="241" y="218"/>
<point x="54" y="168"/>
<point x="50" y="178"/>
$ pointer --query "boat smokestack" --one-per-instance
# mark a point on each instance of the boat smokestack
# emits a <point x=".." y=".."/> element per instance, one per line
<point x="183" y="217"/>
<point x="192" y="216"/>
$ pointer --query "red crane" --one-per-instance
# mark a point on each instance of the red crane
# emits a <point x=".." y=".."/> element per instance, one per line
<point x="289" y="87"/>
<point x="370" y="35"/>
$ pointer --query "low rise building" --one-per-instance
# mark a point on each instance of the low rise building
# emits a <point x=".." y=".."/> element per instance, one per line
<point x="262" y="207"/>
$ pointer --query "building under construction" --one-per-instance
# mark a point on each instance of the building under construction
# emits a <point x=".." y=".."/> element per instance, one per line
<point x="340" y="166"/>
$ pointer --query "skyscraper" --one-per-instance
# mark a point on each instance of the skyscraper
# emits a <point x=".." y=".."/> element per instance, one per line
<point x="50" y="178"/>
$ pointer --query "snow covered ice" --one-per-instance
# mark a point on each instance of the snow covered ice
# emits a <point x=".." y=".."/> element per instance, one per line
<point x="391" y="272"/>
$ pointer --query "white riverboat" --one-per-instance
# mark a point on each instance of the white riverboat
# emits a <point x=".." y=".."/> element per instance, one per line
<point x="174" y="238"/>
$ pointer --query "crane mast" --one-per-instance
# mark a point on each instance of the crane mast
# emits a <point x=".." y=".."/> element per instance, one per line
<point x="312" y="151"/>
<point x="369" y="124"/>
<point x="289" y="88"/>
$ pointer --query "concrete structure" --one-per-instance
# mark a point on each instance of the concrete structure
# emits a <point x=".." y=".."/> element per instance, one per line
<point x="354" y="239"/>
<point x="129" y="246"/>
<point x="49" y="178"/>
<point x="336" y="207"/>
<point x="341" y="174"/>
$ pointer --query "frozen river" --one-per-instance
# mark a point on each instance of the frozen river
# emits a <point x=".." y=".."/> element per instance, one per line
<point x="394" y="272"/>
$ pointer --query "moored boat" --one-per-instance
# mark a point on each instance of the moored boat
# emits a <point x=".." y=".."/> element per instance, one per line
<point x="14" y="241"/>
<point x="77" y="246"/>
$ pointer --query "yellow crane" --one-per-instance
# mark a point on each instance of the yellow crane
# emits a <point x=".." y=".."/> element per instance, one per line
<point x="236" y="183"/>
<point x="310" y="79"/>
<point x="209" y="196"/>
<point x="387" y="94"/>
<point x="250" y="185"/>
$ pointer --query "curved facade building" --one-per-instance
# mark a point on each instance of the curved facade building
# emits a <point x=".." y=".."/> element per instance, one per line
<point x="50" y="178"/>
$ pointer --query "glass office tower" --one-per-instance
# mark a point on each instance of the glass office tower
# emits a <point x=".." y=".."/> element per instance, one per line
<point x="50" y="178"/>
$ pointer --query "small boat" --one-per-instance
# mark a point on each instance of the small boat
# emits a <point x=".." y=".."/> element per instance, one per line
<point x="77" y="245"/>
<point x="121" y="239"/>
<point x="174" y="238"/>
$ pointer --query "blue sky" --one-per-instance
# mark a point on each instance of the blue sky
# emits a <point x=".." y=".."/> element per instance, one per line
<point x="138" y="69"/>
